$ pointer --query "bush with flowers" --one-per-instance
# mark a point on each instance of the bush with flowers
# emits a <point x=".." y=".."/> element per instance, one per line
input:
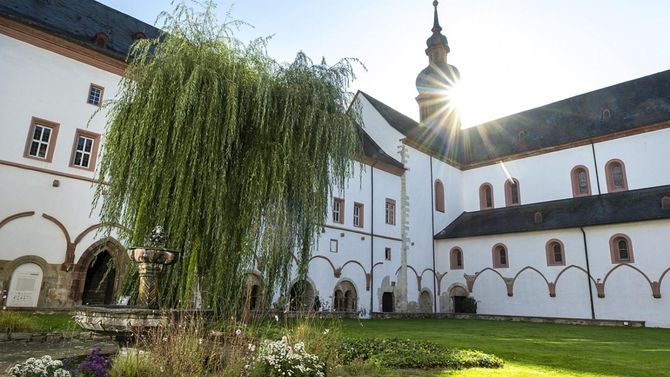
<point x="280" y="358"/>
<point x="42" y="367"/>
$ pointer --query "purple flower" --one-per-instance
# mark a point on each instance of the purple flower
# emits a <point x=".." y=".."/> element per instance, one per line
<point x="95" y="364"/>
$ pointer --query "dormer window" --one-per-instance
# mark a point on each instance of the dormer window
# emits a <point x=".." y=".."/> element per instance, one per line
<point x="537" y="218"/>
<point x="101" y="39"/>
<point x="665" y="202"/>
<point x="139" y="35"/>
<point x="607" y="114"/>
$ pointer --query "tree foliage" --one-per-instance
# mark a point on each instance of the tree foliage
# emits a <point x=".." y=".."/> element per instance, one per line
<point x="234" y="154"/>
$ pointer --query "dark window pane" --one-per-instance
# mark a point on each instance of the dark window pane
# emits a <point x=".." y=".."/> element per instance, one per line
<point x="617" y="175"/>
<point x="77" y="158"/>
<point x="33" y="148"/>
<point x="89" y="144"/>
<point x="42" y="150"/>
<point x="80" y="143"/>
<point x="46" y="133"/>
<point x="558" y="255"/>
<point x="503" y="256"/>
<point x="623" y="250"/>
<point x="583" y="185"/>
<point x="514" y="188"/>
<point x="37" y="133"/>
<point x="84" y="160"/>
<point x="489" y="197"/>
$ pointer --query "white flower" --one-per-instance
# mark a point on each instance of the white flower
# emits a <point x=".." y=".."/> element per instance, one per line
<point x="238" y="332"/>
<point x="276" y="318"/>
<point x="326" y="331"/>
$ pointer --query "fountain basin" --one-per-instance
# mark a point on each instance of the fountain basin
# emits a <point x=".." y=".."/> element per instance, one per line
<point x="125" y="322"/>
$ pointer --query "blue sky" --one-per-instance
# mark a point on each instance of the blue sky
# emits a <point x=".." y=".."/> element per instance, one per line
<point x="513" y="55"/>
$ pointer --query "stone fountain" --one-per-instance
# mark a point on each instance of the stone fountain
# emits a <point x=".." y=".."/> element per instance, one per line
<point x="122" y="321"/>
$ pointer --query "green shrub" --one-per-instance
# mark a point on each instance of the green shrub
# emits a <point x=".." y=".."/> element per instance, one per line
<point x="475" y="359"/>
<point x="404" y="353"/>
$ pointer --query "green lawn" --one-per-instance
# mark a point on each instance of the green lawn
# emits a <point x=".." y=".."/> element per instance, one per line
<point x="28" y="322"/>
<point x="532" y="349"/>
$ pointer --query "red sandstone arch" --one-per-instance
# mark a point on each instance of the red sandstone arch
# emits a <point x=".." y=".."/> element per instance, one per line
<point x="15" y="216"/>
<point x="116" y="251"/>
<point x="654" y="287"/>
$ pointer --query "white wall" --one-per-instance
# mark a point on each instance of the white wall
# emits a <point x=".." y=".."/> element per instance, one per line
<point x="628" y="295"/>
<point x="43" y="84"/>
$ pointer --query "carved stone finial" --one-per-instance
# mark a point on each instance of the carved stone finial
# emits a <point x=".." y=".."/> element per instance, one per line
<point x="157" y="237"/>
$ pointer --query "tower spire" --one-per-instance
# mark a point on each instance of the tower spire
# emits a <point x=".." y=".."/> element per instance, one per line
<point x="436" y="23"/>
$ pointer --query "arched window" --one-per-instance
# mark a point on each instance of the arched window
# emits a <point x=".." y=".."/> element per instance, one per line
<point x="439" y="196"/>
<point x="621" y="249"/>
<point x="581" y="185"/>
<point x="500" y="257"/>
<point x="512" y="192"/>
<point x="486" y="196"/>
<point x="555" y="253"/>
<point x="616" y="176"/>
<point x="456" y="258"/>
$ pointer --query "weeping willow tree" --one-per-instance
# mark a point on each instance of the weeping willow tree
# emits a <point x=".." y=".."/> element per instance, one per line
<point x="234" y="154"/>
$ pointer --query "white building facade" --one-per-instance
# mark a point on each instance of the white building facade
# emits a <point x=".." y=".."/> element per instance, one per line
<point x="559" y="211"/>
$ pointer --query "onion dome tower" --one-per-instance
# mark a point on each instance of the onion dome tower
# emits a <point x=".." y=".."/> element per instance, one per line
<point x="436" y="81"/>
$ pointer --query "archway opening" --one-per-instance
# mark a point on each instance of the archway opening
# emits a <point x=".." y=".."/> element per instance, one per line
<point x="301" y="296"/>
<point x="459" y="300"/>
<point x="346" y="298"/>
<point x="99" y="283"/>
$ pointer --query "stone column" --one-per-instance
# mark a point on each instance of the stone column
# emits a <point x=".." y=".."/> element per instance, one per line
<point x="401" y="287"/>
<point x="148" y="289"/>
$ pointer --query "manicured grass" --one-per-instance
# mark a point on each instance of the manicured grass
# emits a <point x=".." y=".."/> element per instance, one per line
<point x="532" y="349"/>
<point x="30" y="322"/>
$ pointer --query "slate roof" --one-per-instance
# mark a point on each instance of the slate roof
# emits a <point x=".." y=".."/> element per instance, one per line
<point x="79" y="21"/>
<point x="614" y="208"/>
<point x="631" y="104"/>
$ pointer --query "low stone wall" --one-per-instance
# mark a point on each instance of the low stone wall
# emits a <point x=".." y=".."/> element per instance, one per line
<point x="52" y="337"/>
<point x="487" y="317"/>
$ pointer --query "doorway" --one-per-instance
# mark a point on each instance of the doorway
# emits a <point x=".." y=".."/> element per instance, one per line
<point x="387" y="302"/>
<point x="99" y="284"/>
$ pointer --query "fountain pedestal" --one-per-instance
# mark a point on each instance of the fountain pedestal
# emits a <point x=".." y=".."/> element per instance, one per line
<point x="150" y="264"/>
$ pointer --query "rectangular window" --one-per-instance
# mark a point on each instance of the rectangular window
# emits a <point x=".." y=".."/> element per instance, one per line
<point x="338" y="210"/>
<point x="85" y="150"/>
<point x="41" y="139"/>
<point x="387" y="253"/>
<point x="358" y="215"/>
<point x="95" y="94"/>
<point x="390" y="211"/>
<point x="333" y="246"/>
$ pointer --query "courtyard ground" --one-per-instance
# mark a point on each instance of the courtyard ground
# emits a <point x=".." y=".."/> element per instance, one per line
<point x="532" y="349"/>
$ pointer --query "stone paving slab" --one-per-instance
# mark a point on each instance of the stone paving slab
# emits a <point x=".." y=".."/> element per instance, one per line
<point x="12" y="352"/>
